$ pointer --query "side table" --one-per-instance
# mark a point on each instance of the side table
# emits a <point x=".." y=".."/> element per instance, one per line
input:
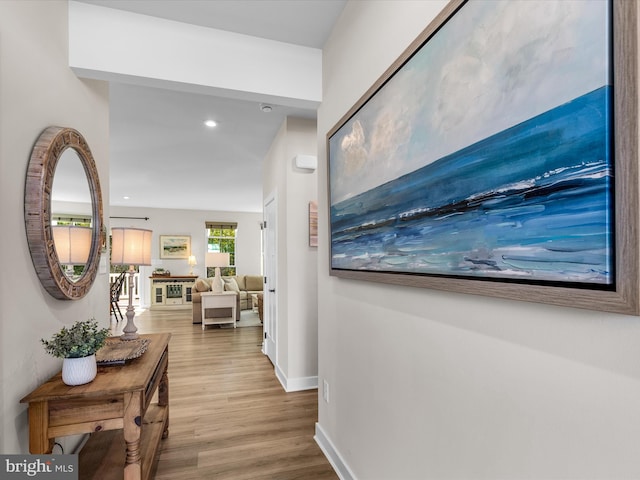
<point x="226" y="299"/>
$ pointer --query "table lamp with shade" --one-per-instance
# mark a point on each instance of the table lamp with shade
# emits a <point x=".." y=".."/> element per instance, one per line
<point x="192" y="262"/>
<point x="130" y="246"/>
<point x="73" y="245"/>
<point x="217" y="260"/>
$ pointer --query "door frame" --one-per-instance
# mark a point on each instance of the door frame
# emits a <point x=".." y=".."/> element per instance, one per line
<point x="270" y="259"/>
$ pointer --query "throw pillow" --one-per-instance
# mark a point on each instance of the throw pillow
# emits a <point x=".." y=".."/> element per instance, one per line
<point x="240" y="282"/>
<point x="230" y="285"/>
<point x="201" y="285"/>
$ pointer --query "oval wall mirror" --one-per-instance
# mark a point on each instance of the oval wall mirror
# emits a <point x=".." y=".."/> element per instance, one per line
<point x="63" y="213"/>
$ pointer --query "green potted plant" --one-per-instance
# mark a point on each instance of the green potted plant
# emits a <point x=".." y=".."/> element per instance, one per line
<point x="77" y="346"/>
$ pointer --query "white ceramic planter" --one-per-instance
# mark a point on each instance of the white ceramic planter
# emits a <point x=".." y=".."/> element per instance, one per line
<point x="78" y="371"/>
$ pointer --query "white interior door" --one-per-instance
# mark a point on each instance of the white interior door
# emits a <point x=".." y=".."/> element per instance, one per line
<point x="270" y="342"/>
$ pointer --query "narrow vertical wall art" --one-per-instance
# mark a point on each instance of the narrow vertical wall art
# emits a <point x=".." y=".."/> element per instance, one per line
<point x="313" y="224"/>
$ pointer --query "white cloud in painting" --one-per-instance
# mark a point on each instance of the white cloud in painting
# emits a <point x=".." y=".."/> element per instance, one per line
<point x="355" y="153"/>
<point x="531" y="57"/>
<point x="495" y="64"/>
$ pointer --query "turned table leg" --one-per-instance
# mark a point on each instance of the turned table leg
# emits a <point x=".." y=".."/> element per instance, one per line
<point x="132" y="432"/>
<point x="163" y="398"/>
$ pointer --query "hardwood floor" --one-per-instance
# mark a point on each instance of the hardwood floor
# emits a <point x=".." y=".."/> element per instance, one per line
<point x="229" y="416"/>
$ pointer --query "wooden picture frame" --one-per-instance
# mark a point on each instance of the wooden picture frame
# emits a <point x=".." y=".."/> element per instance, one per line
<point x="175" y="246"/>
<point x="378" y="216"/>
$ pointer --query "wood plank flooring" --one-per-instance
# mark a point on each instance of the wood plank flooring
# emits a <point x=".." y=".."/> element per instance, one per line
<point x="229" y="416"/>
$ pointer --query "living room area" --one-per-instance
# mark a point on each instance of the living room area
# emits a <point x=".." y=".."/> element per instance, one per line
<point x="191" y="224"/>
<point x="294" y="263"/>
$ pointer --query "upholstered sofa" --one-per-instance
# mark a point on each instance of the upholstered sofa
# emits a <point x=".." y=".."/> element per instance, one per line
<point x="243" y="285"/>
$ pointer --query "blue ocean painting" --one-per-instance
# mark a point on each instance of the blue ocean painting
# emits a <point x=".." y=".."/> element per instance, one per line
<point x="532" y="202"/>
<point x="487" y="154"/>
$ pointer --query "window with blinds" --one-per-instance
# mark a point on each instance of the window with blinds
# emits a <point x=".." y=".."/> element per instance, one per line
<point x="74" y="220"/>
<point x="221" y="237"/>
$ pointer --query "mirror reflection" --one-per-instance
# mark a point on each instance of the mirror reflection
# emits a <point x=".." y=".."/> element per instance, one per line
<point x="71" y="217"/>
<point x="62" y="189"/>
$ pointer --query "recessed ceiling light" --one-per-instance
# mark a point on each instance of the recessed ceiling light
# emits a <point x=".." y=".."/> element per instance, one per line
<point x="126" y="198"/>
<point x="210" y="123"/>
<point x="266" y="108"/>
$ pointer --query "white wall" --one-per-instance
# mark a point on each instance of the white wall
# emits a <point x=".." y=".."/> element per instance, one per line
<point x="107" y="44"/>
<point x="434" y="385"/>
<point x="302" y="259"/>
<point x="192" y="223"/>
<point x="37" y="89"/>
<point x="296" y="362"/>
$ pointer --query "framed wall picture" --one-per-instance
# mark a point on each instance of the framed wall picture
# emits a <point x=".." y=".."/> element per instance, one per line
<point x="497" y="156"/>
<point x="313" y="224"/>
<point x="175" y="246"/>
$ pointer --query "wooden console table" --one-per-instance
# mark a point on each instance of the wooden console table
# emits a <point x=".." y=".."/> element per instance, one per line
<point x="117" y="404"/>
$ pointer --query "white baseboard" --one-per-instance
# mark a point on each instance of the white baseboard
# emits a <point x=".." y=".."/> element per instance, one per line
<point x="296" y="384"/>
<point x="329" y="450"/>
<point x="282" y="378"/>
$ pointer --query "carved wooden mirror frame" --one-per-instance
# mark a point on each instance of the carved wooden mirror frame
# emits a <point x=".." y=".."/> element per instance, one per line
<point x="46" y="153"/>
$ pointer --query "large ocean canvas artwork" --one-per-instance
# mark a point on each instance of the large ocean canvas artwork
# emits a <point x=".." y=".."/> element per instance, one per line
<point x="488" y="154"/>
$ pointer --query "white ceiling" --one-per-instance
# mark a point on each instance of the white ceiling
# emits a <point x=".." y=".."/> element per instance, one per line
<point x="162" y="155"/>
